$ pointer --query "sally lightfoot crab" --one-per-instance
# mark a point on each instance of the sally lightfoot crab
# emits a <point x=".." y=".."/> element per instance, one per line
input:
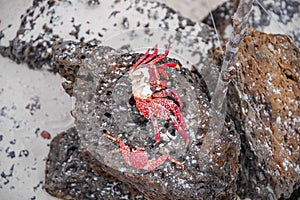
<point x="137" y="157"/>
<point x="153" y="98"/>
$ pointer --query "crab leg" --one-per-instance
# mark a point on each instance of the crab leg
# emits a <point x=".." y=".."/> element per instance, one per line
<point x="151" y="56"/>
<point x="180" y="130"/>
<point x="148" y="59"/>
<point x="155" y="72"/>
<point x="161" y="70"/>
<point x="177" y="121"/>
<point x="154" y="76"/>
<point x="160" y="57"/>
<point x="143" y="107"/>
<point x="155" y="163"/>
<point x="112" y="138"/>
<point x="146" y="111"/>
<point x="176" y="161"/>
<point x="140" y="60"/>
<point x="170" y="93"/>
<point x="155" y="128"/>
<point x="176" y="110"/>
<point x="123" y="148"/>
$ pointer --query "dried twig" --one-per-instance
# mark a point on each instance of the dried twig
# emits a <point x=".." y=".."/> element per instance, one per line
<point x="240" y="20"/>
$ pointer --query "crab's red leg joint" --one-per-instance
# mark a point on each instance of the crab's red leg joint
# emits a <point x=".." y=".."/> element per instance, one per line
<point x="160" y="57"/>
<point x="163" y="84"/>
<point x="123" y="148"/>
<point x="171" y="93"/>
<point x="173" y="65"/>
<point x="162" y="71"/>
<point x="155" y="128"/>
<point x="153" y="55"/>
<point x="155" y="163"/>
<point x="140" y="60"/>
<point x="112" y="138"/>
<point x="179" y="128"/>
<point x="176" y="162"/>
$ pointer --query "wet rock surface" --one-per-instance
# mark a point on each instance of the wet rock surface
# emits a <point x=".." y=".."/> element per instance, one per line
<point x="267" y="115"/>
<point x="103" y="73"/>
<point x="72" y="173"/>
<point x="269" y="165"/>
<point x="69" y="56"/>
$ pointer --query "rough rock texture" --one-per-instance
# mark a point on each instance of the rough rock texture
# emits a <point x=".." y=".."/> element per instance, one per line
<point x="268" y="115"/>
<point x="71" y="173"/>
<point x="278" y="16"/>
<point x="268" y="127"/>
<point x="69" y="56"/>
<point x="104" y="72"/>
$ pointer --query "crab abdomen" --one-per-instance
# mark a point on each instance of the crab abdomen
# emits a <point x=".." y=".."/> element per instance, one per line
<point x="138" y="160"/>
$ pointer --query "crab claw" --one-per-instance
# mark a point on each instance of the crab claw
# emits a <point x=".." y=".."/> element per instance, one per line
<point x="173" y="65"/>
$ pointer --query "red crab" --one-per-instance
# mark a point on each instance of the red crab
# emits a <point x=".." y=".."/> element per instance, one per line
<point x="153" y="98"/>
<point x="137" y="158"/>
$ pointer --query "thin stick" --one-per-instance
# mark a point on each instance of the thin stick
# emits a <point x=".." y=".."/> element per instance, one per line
<point x="240" y="20"/>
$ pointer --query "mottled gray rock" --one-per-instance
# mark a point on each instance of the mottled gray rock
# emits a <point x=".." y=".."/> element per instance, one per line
<point x="104" y="105"/>
<point x="72" y="173"/>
